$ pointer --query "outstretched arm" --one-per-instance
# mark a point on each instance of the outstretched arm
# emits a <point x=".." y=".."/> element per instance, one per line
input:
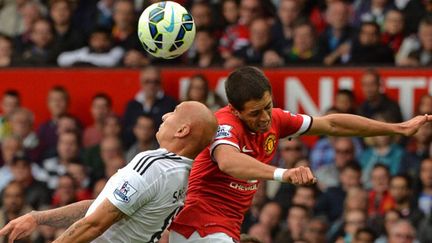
<point x="352" y="125"/>
<point x="58" y="217"/>
<point x="93" y="225"/>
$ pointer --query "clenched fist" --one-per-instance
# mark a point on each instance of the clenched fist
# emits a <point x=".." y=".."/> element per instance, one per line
<point x="299" y="176"/>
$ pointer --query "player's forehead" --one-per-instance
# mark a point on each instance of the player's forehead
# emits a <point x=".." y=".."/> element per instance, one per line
<point x="256" y="105"/>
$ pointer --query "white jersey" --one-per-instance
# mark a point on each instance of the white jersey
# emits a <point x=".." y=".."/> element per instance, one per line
<point x="150" y="190"/>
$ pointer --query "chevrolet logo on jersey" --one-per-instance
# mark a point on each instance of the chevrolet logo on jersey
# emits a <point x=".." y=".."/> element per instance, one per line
<point x="124" y="192"/>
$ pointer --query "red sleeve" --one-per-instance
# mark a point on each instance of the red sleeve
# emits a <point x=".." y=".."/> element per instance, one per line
<point x="290" y="124"/>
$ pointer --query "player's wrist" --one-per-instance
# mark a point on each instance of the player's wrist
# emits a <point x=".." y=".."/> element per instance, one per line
<point x="278" y="174"/>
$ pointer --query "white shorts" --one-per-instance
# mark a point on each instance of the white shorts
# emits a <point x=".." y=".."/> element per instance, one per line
<point x="175" y="237"/>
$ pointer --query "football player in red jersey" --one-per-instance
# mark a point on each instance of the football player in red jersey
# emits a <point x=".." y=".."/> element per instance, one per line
<point x="225" y="176"/>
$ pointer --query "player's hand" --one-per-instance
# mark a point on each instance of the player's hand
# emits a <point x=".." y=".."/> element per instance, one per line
<point x="411" y="126"/>
<point x="19" y="228"/>
<point x="299" y="176"/>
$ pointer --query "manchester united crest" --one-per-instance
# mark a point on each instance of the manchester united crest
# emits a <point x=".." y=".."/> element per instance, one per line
<point x="270" y="143"/>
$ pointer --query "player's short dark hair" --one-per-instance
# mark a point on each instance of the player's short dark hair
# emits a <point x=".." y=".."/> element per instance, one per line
<point x="246" y="84"/>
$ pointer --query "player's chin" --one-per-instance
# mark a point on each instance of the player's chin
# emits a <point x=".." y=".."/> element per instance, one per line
<point x="263" y="129"/>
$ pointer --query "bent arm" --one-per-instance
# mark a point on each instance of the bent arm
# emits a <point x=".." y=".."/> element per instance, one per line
<point x="242" y="166"/>
<point x="353" y="125"/>
<point x="93" y="225"/>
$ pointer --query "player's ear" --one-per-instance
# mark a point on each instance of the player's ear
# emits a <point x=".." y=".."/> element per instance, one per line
<point x="183" y="131"/>
<point x="234" y="110"/>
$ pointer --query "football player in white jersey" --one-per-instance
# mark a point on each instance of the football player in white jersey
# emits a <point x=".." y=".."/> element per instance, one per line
<point x="142" y="198"/>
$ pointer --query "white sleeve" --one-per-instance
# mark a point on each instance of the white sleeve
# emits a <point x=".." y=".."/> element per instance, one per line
<point x="129" y="190"/>
<point x="69" y="58"/>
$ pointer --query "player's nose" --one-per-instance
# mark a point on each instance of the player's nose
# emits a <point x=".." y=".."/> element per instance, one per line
<point x="164" y="117"/>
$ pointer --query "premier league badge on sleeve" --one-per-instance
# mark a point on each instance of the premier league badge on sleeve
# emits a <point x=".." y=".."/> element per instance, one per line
<point x="124" y="192"/>
<point x="224" y="131"/>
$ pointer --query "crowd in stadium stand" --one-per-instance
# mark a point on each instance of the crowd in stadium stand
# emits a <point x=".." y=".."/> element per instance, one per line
<point x="369" y="190"/>
<point x="230" y="33"/>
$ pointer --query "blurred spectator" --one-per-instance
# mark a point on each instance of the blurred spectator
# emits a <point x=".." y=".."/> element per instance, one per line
<point x="379" y="197"/>
<point x="371" y="11"/>
<point x="260" y="232"/>
<point x="252" y="215"/>
<point x="282" y="31"/>
<point x="202" y="14"/>
<point x="331" y="202"/>
<point x="344" y="153"/>
<point x="230" y="12"/>
<point x="270" y="216"/>
<point x="390" y="218"/>
<point x="393" y="30"/>
<point x="66" y="36"/>
<point x="30" y="12"/>
<point x="41" y="50"/>
<point x="384" y="150"/>
<point x="98" y="187"/>
<point x="21" y="121"/>
<point x="36" y="193"/>
<point x="252" y="53"/>
<point x="402" y="232"/>
<point x="205" y="53"/>
<point x="79" y="173"/>
<point x="417" y="51"/>
<point x="65" y="191"/>
<point x="368" y="49"/>
<point x="112" y="155"/>
<point x="11" y="146"/>
<point x="338" y="30"/>
<point x="376" y="101"/>
<point x="124" y="30"/>
<point x="345" y="101"/>
<point x="68" y="123"/>
<point x="68" y="150"/>
<point x="413" y="11"/>
<point x="296" y="221"/>
<point x="425" y="105"/>
<point x="10" y="101"/>
<point x="6" y="51"/>
<point x="353" y="221"/>
<point x="199" y="90"/>
<point x="145" y="134"/>
<point x="305" y="48"/>
<point x="356" y="199"/>
<point x="290" y="151"/>
<point x="424" y="194"/>
<point x="92" y="156"/>
<point x="315" y="230"/>
<point x="417" y="150"/>
<point x="101" y="107"/>
<point x="364" y="235"/>
<point x="99" y="53"/>
<point x="150" y="100"/>
<point x="58" y="103"/>
<point x="402" y="193"/>
<point x="237" y="36"/>
<point x="13" y="206"/>
<point x="10" y="17"/>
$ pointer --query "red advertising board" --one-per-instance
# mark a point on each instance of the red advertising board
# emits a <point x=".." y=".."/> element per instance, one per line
<point x="308" y="90"/>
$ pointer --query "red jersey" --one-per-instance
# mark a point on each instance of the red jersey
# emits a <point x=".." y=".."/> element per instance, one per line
<point x="216" y="202"/>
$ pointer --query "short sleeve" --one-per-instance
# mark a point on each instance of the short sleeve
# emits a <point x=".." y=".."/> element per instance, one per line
<point x="290" y="124"/>
<point x="129" y="190"/>
<point x="226" y="134"/>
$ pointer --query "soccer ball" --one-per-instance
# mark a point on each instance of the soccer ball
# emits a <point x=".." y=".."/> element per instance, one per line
<point x="166" y="29"/>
